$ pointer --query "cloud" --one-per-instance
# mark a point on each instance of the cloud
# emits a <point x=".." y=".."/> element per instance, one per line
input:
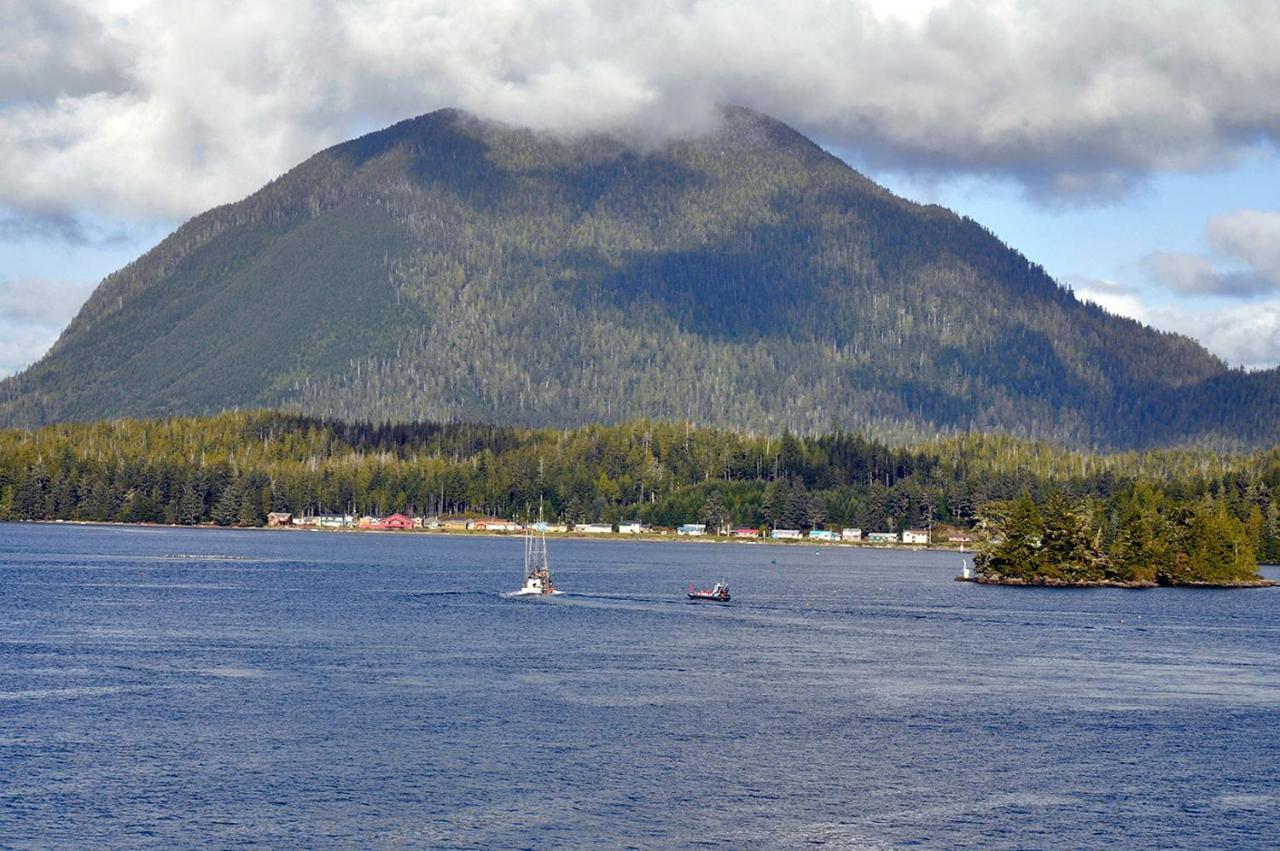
<point x="21" y="344"/>
<point x="1241" y="334"/>
<point x="1251" y="237"/>
<point x="1114" y="297"/>
<point x="41" y="301"/>
<point x="33" y="312"/>
<point x="1194" y="274"/>
<point x="57" y="227"/>
<point x="53" y="48"/>
<point x="140" y="108"/>
<point x="1247" y="240"/>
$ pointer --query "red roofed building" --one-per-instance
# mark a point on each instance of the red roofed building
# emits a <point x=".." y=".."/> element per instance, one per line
<point x="395" y="521"/>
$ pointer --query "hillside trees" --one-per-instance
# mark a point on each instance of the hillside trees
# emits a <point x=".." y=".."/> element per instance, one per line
<point x="457" y="270"/>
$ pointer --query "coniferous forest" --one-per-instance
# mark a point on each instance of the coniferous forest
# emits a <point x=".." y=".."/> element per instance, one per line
<point x="1174" y="515"/>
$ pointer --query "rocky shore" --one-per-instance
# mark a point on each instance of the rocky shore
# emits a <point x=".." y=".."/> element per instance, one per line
<point x="1053" y="582"/>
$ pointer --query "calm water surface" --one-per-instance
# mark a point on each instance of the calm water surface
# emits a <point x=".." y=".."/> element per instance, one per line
<point x="178" y="688"/>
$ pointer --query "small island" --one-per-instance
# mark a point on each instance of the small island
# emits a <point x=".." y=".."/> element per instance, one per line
<point x="1149" y="540"/>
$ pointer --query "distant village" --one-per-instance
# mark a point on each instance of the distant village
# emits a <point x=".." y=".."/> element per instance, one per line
<point x="404" y="523"/>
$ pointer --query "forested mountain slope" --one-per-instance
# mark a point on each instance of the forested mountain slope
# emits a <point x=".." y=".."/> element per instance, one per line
<point x="448" y="268"/>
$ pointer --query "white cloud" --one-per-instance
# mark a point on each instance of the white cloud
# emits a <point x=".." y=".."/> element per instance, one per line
<point x="42" y="301"/>
<point x="33" y="312"/>
<point x="1251" y="237"/>
<point x="146" y="108"/>
<point x="1241" y="334"/>
<point x="1248" y="241"/>
<point x="1114" y="297"/>
<point x="23" y="343"/>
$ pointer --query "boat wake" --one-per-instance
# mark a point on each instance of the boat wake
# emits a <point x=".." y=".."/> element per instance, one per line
<point x="529" y="593"/>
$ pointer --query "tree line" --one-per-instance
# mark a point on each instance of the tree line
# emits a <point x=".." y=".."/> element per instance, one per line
<point x="234" y="468"/>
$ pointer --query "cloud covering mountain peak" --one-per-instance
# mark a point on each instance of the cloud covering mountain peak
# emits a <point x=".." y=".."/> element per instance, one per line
<point x="147" y="109"/>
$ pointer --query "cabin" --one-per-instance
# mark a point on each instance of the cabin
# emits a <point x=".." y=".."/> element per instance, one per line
<point x="455" y="524"/>
<point x="745" y="533"/>
<point x="393" y="523"/>
<point x="786" y="535"/>
<point x="915" y="536"/>
<point x="822" y="535"/>
<point x="280" y="518"/>
<point x="882" y="538"/>
<point x="544" y="526"/>
<point x="692" y="529"/>
<point x="630" y="527"/>
<point x="851" y="534"/>
<point x="594" y="528"/>
<point x="494" y="524"/>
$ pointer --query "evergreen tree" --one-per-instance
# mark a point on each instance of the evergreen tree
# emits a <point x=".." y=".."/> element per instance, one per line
<point x="1012" y="548"/>
<point x="774" y="503"/>
<point x="714" y="514"/>
<point x="795" y="513"/>
<point x="1139" y="552"/>
<point x="226" y="510"/>
<point x="29" y="496"/>
<point x="1069" y="550"/>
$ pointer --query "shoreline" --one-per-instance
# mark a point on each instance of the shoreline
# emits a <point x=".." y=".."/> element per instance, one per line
<point x="560" y="536"/>
<point x="1112" y="583"/>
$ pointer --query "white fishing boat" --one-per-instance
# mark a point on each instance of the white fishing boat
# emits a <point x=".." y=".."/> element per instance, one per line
<point x="537" y="569"/>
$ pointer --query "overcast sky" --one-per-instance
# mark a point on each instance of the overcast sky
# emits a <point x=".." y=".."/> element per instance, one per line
<point x="1131" y="148"/>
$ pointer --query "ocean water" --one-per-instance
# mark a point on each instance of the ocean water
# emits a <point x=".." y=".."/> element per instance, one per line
<point x="178" y="688"/>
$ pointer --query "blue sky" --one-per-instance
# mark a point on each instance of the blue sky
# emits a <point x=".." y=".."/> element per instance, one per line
<point x="1128" y="148"/>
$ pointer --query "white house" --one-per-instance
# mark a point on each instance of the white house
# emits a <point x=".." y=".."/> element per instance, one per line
<point x="786" y="534"/>
<point x="692" y="529"/>
<point x="492" y="525"/>
<point x="594" y="528"/>
<point x="822" y="535"/>
<point x="543" y="526"/>
<point x="882" y="538"/>
<point x="915" y="536"/>
<point x="849" y="534"/>
<point x="629" y="527"/>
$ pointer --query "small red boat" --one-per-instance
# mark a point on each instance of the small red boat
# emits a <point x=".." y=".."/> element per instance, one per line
<point x="718" y="594"/>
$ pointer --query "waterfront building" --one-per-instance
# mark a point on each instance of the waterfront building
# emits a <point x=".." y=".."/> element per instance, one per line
<point x="393" y="523"/>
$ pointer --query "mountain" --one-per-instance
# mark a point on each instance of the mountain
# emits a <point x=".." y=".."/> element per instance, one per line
<point x="449" y="268"/>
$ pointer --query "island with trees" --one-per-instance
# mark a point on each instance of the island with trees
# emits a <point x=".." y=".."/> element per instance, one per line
<point x="1141" y="539"/>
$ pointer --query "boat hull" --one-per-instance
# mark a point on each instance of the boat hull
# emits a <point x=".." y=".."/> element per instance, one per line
<point x="526" y="592"/>
<point x="711" y="598"/>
